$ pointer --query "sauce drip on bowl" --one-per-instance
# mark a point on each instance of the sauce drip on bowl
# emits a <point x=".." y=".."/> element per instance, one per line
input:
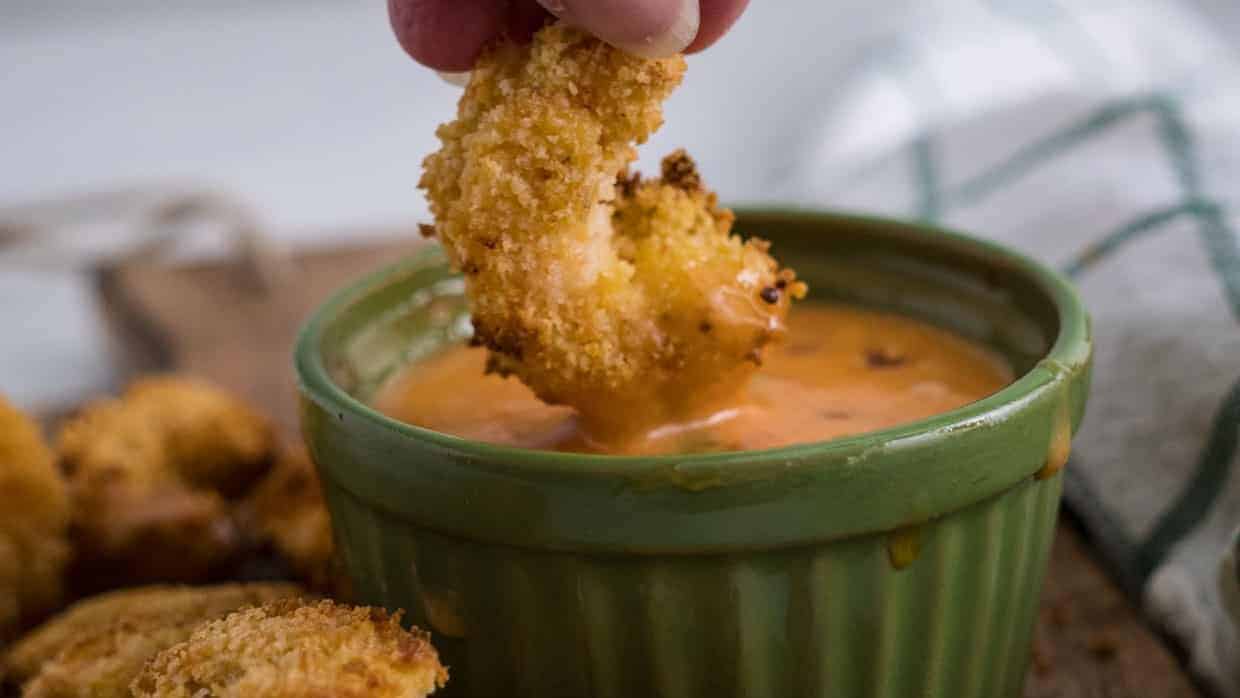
<point x="843" y="370"/>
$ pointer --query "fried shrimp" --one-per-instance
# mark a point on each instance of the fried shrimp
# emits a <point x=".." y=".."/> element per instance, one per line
<point x="99" y="645"/>
<point x="286" y="508"/>
<point x="288" y="649"/>
<point x="630" y="301"/>
<point x="152" y="474"/>
<point x="34" y="514"/>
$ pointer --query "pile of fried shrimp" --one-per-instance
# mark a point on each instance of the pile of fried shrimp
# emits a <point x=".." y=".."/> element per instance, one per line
<point x="126" y="543"/>
<point x="139" y="544"/>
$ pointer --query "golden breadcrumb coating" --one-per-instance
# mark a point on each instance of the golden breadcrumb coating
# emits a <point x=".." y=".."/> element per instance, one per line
<point x="288" y="649"/>
<point x="287" y="509"/>
<point x="151" y="474"/>
<point x="34" y="516"/>
<point x="629" y="301"/>
<point x="97" y="646"/>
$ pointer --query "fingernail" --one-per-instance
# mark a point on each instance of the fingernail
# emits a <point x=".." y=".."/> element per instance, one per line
<point x="456" y="79"/>
<point x="649" y="28"/>
<point x="678" y="35"/>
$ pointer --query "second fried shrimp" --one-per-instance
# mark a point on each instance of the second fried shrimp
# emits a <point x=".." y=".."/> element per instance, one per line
<point x="152" y="476"/>
<point x="287" y="510"/>
<point x="98" y="645"/>
<point x="631" y="302"/>
<point x="294" y="649"/>
<point x="34" y="516"/>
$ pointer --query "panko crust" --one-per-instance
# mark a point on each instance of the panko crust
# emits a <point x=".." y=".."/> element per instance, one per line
<point x="290" y="649"/>
<point x="151" y="475"/>
<point x="34" y="516"/>
<point x="98" y="645"/>
<point x="580" y="307"/>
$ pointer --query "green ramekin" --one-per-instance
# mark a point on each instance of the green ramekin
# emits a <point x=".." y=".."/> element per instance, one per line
<point x="904" y="562"/>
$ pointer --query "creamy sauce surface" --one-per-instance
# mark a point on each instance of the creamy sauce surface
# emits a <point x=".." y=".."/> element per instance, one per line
<point x="843" y="370"/>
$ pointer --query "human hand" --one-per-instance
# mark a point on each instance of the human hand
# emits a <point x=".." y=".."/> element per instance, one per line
<point x="447" y="35"/>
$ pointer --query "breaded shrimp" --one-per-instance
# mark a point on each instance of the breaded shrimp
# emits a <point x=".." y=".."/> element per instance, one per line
<point x="629" y="301"/>
<point x="97" y="646"/>
<point x="288" y="649"/>
<point x="286" y="508"/>
<point x="151" y="475"/>
<point x="34" y="516"/>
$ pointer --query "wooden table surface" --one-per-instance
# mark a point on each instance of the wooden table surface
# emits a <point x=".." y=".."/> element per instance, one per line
<point x="211" y="320"/>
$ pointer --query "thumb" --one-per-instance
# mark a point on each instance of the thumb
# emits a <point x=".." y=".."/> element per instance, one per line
<point x="650" y="28"/>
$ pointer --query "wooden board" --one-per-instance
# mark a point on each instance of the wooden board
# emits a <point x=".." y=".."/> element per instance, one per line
<point x="207" y="319"/>
<point x="214" y="321"/>
<point x="1090" y="642"/>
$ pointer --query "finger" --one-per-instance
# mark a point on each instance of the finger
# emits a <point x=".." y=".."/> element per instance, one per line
<point x="524" y="18"/>
<point x="718" y="16"/>
<point x="651" y="28"/>
<point x="446" y="34"/>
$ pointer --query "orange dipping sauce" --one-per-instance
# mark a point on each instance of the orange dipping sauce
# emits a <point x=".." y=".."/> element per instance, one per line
<point x="843" y="370"/>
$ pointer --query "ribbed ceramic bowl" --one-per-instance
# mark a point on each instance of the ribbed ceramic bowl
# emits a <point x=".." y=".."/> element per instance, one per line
<point x="905" y="562"/>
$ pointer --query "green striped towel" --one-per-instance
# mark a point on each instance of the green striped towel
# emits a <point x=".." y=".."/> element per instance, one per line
<point x="1104" y="138"/>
